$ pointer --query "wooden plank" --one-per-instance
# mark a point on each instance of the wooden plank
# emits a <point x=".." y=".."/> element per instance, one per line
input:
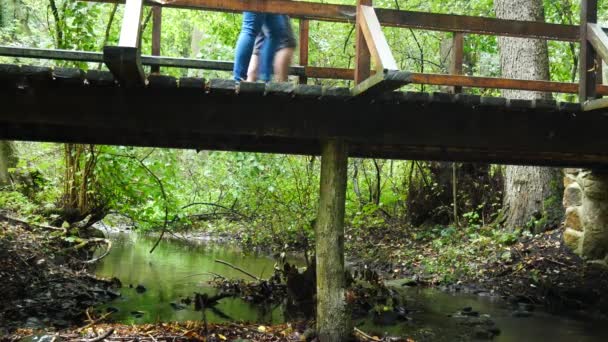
<point x="381" y="82"/>
<point x="362" y="52"/>
<point x="457" y="58"/>
<point x="304" y="35"/>
<point x="387" y="17"/>
<point x="598" y="39"/>
<point x="125" y="64"/>
<point x="376" y="42"/>
<point x="595" y="104"/>
<point x="587" y="55"/>
<point x="131" y="24"/>
<point x="411" y="129"/>
<point x="157" y="17"/>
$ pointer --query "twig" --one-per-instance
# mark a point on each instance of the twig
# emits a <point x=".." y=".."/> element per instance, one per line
<point x="365" y="336"/>
<point x="237" y="268"/>
<point x="556" y="262"/>
<point x="100" y="337"/>
<point x="206" y="273"/>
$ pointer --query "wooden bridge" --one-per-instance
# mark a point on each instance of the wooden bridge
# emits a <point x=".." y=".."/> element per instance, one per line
<point x="126" y="107"/>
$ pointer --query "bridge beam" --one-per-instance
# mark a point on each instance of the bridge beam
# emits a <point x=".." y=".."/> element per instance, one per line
<point x="332" y="315"/>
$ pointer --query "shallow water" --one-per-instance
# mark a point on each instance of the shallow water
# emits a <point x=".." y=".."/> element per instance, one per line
<point x="175" y="270"/>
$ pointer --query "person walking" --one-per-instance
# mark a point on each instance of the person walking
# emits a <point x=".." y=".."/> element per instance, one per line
<point x="283" y="55"/>
<point x="277" y="31"/>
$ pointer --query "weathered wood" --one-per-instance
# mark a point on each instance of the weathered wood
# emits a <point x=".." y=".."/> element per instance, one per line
<point x="381" y="82"/>
<point x="124" y="60"/>
<point x="315" y="72"/>
<point x="387" y="17"/>
<point x="457" y="58"/>
<point x="162" y="81"/>
<point x="376" y="42"/>
<point x="192" y="83"/>
<point x="308" y="91"/>
<point x="362" y="53"/>
<point x="598" y="39"/>
<point x="280" y="88"/>
<point x="125" y="64"/>
<point x="412" y="127"/>
<point x="333" y="320"/>
<point x="587" y="55"/>
<point x="304" y="35"/>
<point x="223" y="87"/>
<point x="595" y="104"/>
<point x="251" y="88"/>
<point x="9" y="75"/>
<point x="98" y="78"/>
<point x="157" y="22"/>
<point x="130" y="31"/>
<point x="69" y="77"/>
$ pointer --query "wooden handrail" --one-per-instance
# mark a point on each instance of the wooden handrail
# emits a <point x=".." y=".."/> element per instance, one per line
<point x="387" y="17"/>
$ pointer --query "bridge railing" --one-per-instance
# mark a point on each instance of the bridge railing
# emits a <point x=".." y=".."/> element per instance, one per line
<point x="125" y="60"/>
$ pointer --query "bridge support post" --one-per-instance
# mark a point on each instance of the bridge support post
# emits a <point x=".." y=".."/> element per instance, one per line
<point x="332" y="315"/>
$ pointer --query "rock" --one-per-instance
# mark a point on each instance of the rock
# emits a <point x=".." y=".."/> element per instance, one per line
<point x="138" y="314"/>
<point x="573" y="195"/>
<point x="482" y="333"/>
<point x="177" y="306"/>
<point x="594" y="215"/>
<point x="573" y="219"/>
<point x="521" y="314"/>
<point x="140" y="288"/>
<point x="34" y="323"/>
<point x="467" y="309"/>
<point x="525" y="306"/>
<point x="569" y="179"/>
<point x="572" y="239"/>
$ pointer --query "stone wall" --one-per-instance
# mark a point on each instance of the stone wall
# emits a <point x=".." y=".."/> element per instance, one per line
<point x="586" y="204"/>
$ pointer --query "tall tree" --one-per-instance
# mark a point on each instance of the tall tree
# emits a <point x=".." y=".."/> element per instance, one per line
<point x="7" y="160"/>
<point x="527" y="189"/>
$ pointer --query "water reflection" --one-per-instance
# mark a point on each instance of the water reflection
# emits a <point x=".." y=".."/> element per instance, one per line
<point x="174" y="271"/>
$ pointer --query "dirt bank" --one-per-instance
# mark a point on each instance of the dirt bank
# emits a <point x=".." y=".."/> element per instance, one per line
<point x="43" y="279"/>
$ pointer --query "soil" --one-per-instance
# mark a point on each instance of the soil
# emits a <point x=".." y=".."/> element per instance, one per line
<point x="543" y="271"/>
<point x="538" y="269"/>
<point x="44" y="283"/>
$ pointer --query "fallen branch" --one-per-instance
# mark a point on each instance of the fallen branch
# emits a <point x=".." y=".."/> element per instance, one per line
<point x="365" y="337"/>
<point x="100" y="337"/>
<point x="29" y="224"/>
<point x="238" y="269"/>
<point x="92" y="261"/>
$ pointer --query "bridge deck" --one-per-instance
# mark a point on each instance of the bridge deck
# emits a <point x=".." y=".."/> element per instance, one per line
<point x="70" y="105"/>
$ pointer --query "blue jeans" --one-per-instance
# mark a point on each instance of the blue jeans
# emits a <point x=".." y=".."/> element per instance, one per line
<point x="276" y="24"/>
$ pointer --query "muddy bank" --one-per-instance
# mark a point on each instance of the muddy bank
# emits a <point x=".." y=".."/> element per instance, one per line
<point x="44" y="280"/>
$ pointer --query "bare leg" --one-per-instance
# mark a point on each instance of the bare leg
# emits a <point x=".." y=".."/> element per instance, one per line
<point x="282" y="61"/>
<point x="252" y="73"/>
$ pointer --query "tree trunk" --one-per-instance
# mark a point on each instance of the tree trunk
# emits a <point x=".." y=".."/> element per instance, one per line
<point x="332" y="316"/>
<point x="528" y="190"/>
<point x="8" y="160"/>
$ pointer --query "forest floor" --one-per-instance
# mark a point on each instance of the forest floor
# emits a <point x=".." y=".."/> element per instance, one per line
<point x="43" y="281"/>
<point x="534" y="269"/>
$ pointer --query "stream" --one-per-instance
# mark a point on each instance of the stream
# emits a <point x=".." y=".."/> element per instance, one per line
<point x="177" y="269"/>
